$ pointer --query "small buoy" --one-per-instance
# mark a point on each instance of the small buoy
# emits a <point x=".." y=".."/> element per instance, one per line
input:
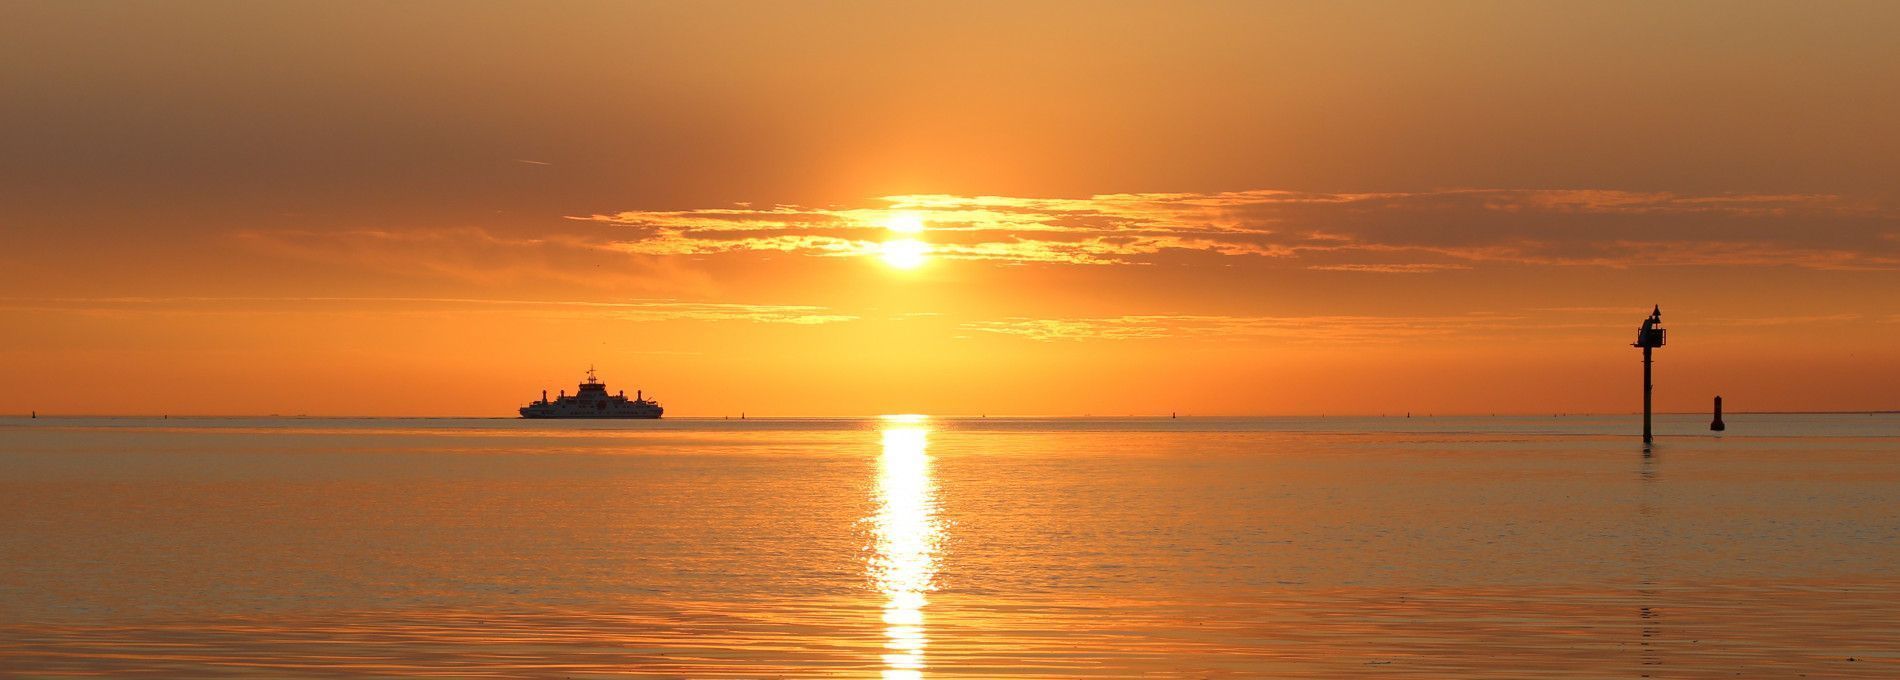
<point x="1717" y="425"/>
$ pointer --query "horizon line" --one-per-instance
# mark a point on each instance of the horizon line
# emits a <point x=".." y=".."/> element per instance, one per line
<point x="1161" y="416"/>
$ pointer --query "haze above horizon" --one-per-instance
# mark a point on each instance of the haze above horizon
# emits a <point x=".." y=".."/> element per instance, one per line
<point x="436" y="209"/>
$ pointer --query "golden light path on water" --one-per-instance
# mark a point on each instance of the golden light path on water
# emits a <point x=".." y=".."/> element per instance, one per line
<point x="904" y="562"/>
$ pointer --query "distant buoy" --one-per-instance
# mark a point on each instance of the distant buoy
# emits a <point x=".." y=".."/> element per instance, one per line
<point x="1717" y="426"/>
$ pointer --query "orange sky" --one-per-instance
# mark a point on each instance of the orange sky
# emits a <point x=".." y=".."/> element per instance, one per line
<point x="1249" y="208"/>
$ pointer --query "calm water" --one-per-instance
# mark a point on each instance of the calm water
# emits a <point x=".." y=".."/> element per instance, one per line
<point x="911" y="547"/>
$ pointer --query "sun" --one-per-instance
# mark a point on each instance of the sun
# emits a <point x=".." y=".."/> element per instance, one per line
<point x="904" y="253"/>
<point x="905" y="223"/>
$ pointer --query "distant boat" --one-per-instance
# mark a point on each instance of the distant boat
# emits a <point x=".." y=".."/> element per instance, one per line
<point x="593" y="401"/>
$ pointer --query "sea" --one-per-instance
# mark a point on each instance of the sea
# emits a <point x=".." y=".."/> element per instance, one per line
<point x="914" y="546"/>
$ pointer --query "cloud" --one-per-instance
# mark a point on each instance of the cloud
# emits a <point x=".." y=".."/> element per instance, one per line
<point x="1319" y="329"/>
<point x="635" y="310"/>
<point x="1792" y="320"/>
<point x="1413" y="268"/>
<point x="1336" y="330"/>
<point x="1378" y="233"/>
<point x="474" y="255"/>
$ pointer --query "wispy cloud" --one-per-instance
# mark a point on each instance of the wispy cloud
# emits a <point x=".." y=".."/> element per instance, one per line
<point x="1366" y="329"/>
<point x="635" y="310"/>
<point x="1794" y="320"/>
<point x="475" y="255"/>
<point x="1412" y="268"/>
<point x="1375" y="233"/>
<point x="1327" y="329"/>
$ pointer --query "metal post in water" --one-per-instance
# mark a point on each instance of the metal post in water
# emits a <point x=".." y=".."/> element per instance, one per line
<point x="1648" y="389"/>
<point x="1649" y="337"/>
<point x="1718" y="426"/>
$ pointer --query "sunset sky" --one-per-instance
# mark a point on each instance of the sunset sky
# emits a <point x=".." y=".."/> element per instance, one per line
<point x="959" y="208"/>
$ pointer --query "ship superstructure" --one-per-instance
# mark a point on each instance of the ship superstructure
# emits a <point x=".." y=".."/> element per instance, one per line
<point x="593" y="401"/>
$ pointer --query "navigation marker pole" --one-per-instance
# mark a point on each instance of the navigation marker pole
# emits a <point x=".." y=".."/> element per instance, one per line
<point x="1649" y="337"/>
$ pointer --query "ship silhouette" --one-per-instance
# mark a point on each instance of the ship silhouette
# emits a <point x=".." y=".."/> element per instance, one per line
<point x="593" y="401"/>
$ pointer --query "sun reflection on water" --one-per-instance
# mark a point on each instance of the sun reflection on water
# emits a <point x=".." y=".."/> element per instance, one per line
<point x="904" y="563"/>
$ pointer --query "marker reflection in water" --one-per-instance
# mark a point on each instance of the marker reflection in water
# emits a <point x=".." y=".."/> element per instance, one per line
<point x="904" y="561"/>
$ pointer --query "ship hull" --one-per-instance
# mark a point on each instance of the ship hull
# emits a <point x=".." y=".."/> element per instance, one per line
<point x="579" y="414"/>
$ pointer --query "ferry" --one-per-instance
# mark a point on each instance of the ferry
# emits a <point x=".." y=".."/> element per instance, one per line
<point x="593" y="401"/>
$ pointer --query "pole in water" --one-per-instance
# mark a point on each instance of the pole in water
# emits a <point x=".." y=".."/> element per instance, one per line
<point x="1717" y="426"/>
<point x="1648" y="390"/>
<point x="1650" y="336"/>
